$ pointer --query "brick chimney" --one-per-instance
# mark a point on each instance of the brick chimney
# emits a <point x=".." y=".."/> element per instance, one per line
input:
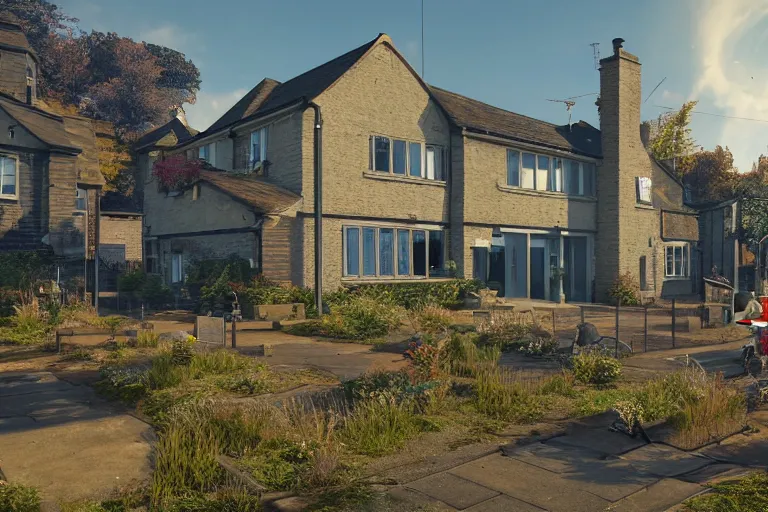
<point x="624" y="225"/>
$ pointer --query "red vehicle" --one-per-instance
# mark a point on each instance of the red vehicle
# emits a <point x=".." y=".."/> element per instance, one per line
<point x="759" y="348"/>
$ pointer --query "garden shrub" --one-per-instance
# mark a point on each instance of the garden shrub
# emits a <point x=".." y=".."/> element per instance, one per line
<point x="462" y="356"/>
<point x="626" y="290"/>
<point x="360" y="318"/>
<point x="508" y="331"/>
<point x="380" y="426"/>
<point x="594" y="367"/>
<point x="444" y="294"/>
<point x="541" y="345"/>
<point x="155" y="293"/>
<point x="19" y="498"/>
<point x="146" y="338"/>
<point x="20" y="270"/>
<point x="434" y="319"/>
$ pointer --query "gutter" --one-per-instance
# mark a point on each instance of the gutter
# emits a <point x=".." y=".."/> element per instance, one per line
<point x="525" y="144"/>
<point x="318" y="176"/>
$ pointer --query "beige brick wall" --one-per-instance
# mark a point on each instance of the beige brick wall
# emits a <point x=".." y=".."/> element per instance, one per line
<point x="124" y="231"/>
<point x="379" y="96"/>
<point x="13" y="74"/>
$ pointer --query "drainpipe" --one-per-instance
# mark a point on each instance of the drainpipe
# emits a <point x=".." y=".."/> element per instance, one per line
<point x="318" y="170"/>
<point x="97" y="252"/>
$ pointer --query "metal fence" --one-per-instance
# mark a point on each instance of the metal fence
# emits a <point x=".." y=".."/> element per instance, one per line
<point x="644" y="328"/>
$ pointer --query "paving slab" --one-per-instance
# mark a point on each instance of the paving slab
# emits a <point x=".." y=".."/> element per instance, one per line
<point x="599" y="440"/>
<point x="745" y="450"/>
<point x="558" y="459"/>
<point x="658" y="497"/>
<point x="664" y="461"/>
<point x="412" y="497"/>
<point x="453" y="490"/>
<point x="716" y="473"/>
<point x="67" y="442"/>
<point x="532" y="485"/>
<point x="504" y="503"/>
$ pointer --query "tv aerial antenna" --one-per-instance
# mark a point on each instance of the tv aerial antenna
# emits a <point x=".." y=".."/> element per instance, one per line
<point x="569" y="104"/>
<point x="596" y="54"/>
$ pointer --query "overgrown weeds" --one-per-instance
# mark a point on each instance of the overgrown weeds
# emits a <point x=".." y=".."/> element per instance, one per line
<point x="19" y="498"/>
<point x="747" y="495"/>
<point x="595" y="367"/>
<point x="505" y="395"/>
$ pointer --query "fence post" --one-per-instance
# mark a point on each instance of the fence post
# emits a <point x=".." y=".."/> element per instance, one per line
<point x="554" y="327"/>
<point x="673" y="323"/>
<point x="618" y="308"/>
<point x="581" y="310"/>
<point x="234" y="331"/>
<point x="645" y="328"/>
<point x="58" y="342"/>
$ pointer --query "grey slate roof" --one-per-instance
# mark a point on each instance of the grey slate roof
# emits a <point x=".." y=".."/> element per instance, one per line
<point x="48" y="128"/>
<point x="270" y="95"/>
<point x="179" y="130"/>
<point x="474" y="115"/>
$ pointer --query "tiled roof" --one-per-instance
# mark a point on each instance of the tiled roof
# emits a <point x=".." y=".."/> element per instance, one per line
<point x="581" y="137"/>
<point x="247" y="105"/>
<point x="11" y="33"/>
<point x="174" y="127"/>
<point x="81" y="133"/>
<point x="270" y="95"/>
<point x="48" y="128"/>
<point x="264" y="197"/>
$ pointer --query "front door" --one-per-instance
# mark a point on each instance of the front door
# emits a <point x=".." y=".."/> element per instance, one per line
<point x="538" y="269"/>
<point x="575" y="280"/>
<point x="516" y="277"/>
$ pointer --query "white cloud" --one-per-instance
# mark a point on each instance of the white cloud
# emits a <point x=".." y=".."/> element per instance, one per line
<point x="210" y="106"/>
<point x="737" y="91"/>
<point x="165" y="35"/>
<point x="672" y="97"/>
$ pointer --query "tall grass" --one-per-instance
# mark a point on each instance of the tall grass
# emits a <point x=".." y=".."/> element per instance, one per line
<point x="146" y="338"/>
<point x="504" y="395"/>
<point x="377" y="427"/>
<point x="19" y="498"/>
<point x="463" y="357"/>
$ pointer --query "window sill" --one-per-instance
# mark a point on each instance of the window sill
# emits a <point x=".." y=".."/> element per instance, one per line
<point x="676" y="278"/>
<point x="644" y="206"/>
<point x="9" y="198"/>
<point x="402" y="179"/>
<point x="393" y="280"/>
<point x="545" y="193"/>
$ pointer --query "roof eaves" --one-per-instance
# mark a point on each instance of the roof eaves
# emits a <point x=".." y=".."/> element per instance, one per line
<point x="568" y="149"/>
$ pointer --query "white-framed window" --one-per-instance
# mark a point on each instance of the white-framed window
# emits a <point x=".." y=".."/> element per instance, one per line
<point x="9" y="177"/>
<point x="677" y="260"/>
<point x="542" y="172"/>
<point x="177" y="268"/>
<point x="400" y="157"/>
<point x="81" y="200"/>
<point x="150" y="256"/>
<point x="393" y="252"/>
<point x="643" y="188"/>
<point x="208" y="153"/>
<point x="258" y="148"/>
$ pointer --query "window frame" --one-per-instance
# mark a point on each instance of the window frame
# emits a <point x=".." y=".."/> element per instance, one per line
<point x="263" y="134"/>
<point x="440" y="169"/>
<point x="78" y="199"/>
<point x="556" y="173"/>
<point x="684" y="249"/>
<point x="639" y="188"/>
<point x="15" y="158"/>
<point x="396" y="229"/>
<point x="180" y="257"/>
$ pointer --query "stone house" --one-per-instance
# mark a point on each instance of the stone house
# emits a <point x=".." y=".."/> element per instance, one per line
<point x="50" y="180"/>
<point x="419" y="183"/>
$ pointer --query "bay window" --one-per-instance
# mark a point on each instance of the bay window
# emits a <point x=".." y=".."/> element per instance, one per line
<point x="400" y="157"/>
<point x="393" y="252"/>
<point x="513" y="168"/>
<point x="677" y="260"/>
<point x="528" y="173"/>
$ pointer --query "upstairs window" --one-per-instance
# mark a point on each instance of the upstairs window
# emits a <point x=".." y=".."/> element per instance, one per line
<point x="258" y="149"/>
<point x="545" y="173"/>
<point x="8" y="176"/>
<point x="208" y="153"/>
<point x="513" y="168"/>
<point x="81" y="200"/>
<point x="406" y="158"/>
<point x="643" y="186"/>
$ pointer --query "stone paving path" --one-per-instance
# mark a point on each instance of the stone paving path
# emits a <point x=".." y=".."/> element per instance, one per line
<point x="67" y="442"/>
<point x="588" y="469"/>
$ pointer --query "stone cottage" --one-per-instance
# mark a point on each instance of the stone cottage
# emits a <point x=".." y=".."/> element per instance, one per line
<point x="418" y="183"/>
<point x="50" y="180"/>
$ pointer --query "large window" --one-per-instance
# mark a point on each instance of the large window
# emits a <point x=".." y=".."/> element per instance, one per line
<point x="541" y="172"/>
<point x="258" y="150"/>
<point x="8" y="175"/>
<point x="677" y="260"/>
<point x="406" y="158"/>
<point x="393" y="252"/>
<point x="208" y="153"/>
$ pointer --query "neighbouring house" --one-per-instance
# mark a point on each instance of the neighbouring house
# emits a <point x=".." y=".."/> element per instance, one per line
<point x="120" y="242"/>
<point x="420" y="184"/>
<point x="50" y="180"/>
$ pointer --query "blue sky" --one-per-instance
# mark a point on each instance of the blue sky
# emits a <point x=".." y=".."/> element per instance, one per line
<point x="512" y="54"/>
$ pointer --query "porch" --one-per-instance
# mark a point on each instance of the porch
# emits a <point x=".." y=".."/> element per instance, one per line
<point x="551" y="265"/>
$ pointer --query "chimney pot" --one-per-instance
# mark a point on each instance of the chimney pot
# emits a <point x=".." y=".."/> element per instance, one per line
<point x="617" y="45"/>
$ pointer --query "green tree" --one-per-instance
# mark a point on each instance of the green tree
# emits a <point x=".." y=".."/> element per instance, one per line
<point x="670" y="134"/>
<point x="710" y="175"/>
